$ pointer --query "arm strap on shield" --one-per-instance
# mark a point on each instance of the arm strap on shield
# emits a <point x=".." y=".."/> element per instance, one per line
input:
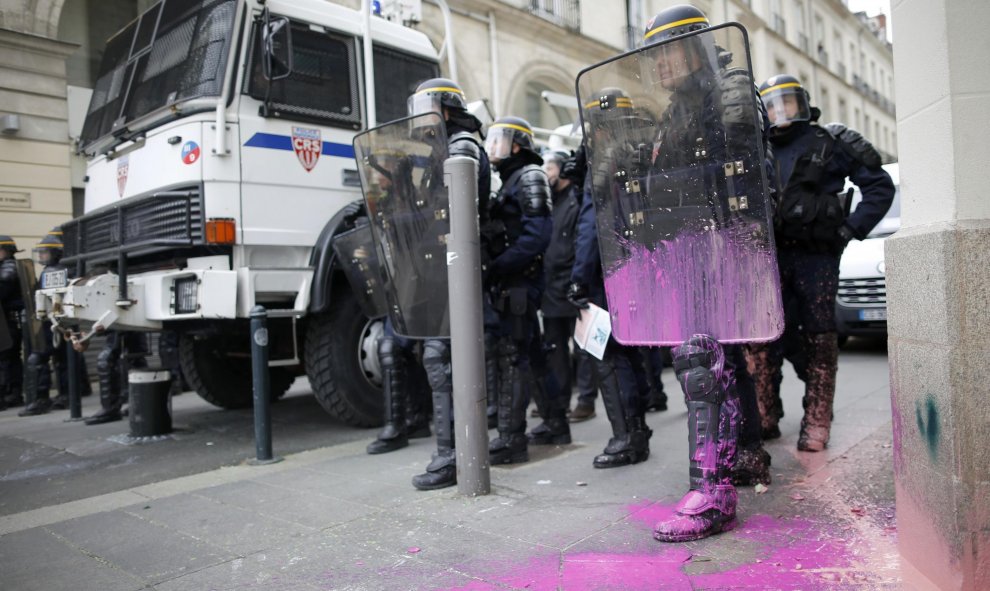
<point x="857" y="146"/>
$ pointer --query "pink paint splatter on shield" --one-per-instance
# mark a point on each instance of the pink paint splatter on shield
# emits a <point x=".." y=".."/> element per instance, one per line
<point x="721" y="283"/>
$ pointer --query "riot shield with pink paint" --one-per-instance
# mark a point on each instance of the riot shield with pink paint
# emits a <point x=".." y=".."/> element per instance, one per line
<point x="674" y="135"/>
<point x="401" y="169"/>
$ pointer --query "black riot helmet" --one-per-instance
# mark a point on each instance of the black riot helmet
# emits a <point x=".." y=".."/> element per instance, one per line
<point x="504" y="132"/>
<point x="786" y="101"/>
<point x="8" y="245"/>
<point x="49" y="250"/>
<point x="434" y="94"/>
<point x="613" y="112"/>
<point x="673" y="22"/>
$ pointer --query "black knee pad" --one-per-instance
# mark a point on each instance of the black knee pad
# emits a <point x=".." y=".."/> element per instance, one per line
<point x="436" y="362"/>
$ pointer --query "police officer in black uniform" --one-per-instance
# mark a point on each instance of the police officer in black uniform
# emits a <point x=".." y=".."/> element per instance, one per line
<point x="12" y="304"/>
<point x="514" y="274"/>
<point x="812" y="229"/>
<point x="558" y="314"/>
<point x="48" y="253"/>
<point x="444" y="96"/>
<point x="710" y="116"/>
<point x="620" y="373"/>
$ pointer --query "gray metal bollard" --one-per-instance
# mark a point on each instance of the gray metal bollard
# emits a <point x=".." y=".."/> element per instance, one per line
<point x="149" y="403"/>
<point x="262" y="388"/>
<point x="467" y="341"/>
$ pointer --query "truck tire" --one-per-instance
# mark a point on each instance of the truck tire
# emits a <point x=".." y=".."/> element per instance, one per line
<point x="341" y="357"/>
<point x="223" y="380"/>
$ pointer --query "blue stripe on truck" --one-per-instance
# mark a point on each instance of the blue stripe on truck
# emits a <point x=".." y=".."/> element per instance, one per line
<point x="283" y="142"/>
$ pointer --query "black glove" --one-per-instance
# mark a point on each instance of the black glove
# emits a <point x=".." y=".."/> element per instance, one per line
<point x="575" y="168"/>
<point x="843" y="235"/>
<point x="577" y="295"/>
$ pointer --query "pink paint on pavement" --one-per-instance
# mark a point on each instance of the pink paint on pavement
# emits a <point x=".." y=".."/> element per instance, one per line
<point x="723" y="283"/>
<point x="788" y="554"/>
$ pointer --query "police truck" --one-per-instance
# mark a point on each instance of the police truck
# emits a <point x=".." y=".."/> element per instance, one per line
<point x="220" y="167"/>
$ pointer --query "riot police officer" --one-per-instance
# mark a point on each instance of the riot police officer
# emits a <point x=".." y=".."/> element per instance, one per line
<point x="558" y="314"/>
<point x="812" y="229"/>
<point x="11" y="304"/>
<point x="444" y="96"/>
<point x="514" y="275"/>
<point x="710" y="117"/>
<point x="620" y="373"/>
<point x="47" y="253"/>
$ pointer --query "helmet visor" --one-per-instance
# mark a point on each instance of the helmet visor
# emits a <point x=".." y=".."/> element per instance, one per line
<point x="44" y="255"/>
<point x="671" y="64"/>
<point x="498" y="143"/>
<point x="424" y="102"/>
<point x="786" y="104"/>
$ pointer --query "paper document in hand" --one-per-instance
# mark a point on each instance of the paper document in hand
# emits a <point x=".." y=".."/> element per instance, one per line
<point x="592" y="330"/>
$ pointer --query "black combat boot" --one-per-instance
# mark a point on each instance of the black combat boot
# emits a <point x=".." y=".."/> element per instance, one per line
<point x="630" y="441"/>
<point x="108" y="369"/>
<point x="714" y="414"/>
<point x="511" y="445"/>
<point x="442" y="470"/>
<point x="395" y="366"/>
<point x="823" y="358"/>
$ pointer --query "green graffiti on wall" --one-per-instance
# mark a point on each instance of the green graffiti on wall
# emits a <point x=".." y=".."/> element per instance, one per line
<point x="928" y="424"/>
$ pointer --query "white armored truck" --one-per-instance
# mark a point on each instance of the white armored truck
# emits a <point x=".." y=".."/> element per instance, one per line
<point x="220" y="167"/>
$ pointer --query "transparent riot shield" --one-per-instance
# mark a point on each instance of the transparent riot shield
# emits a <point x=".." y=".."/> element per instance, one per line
<point x="401" y="167"/>
<point x="358" y="256"/>
<point x="29" y="283"/>
<point x="675" y="146"/>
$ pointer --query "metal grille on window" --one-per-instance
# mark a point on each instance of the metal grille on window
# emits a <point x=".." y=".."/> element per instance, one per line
<point x="401" y="73"/>
<point x="176" y="51"/>
<point x="322" y="85"/>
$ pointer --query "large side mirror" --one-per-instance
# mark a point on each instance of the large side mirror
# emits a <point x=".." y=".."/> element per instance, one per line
<point x="276" y="43"/>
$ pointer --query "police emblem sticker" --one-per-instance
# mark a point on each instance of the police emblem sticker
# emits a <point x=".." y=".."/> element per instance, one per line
<point x="190" y="152"/>
<point x="307" y="145"/>
<point x="123" y="165"/>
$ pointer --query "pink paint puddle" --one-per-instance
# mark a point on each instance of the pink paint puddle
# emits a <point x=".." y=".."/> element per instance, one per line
<point x="788" y="554"/>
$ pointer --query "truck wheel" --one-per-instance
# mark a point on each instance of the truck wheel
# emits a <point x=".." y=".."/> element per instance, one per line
<point x="221" y="379"/>
<point x="342" y="362"/>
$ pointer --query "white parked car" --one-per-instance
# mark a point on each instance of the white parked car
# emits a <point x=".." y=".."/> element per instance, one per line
<point x="861" y="305"/>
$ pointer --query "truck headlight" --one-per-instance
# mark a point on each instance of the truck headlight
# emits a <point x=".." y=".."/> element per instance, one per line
<point x="186" y="292"/>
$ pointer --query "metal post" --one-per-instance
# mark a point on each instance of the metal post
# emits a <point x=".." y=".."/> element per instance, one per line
<point x="467" y="341"/>
<point x="262" y="389"/>
<point x="72" y="366"/>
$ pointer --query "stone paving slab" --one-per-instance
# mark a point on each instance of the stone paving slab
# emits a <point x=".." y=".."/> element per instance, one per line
<point x="237" y="530"/>
<point x="64" y="567"/>
<point x="151" y="552"/>
<point x="305" y="508"/>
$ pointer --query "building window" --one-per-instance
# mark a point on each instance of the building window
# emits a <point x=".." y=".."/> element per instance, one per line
<point x="777" y="21"/>
<point x="563" y="13"/>
<point x="843" y="111"/>
<point x="802" y="34"/>
<point x="859" y="121"/>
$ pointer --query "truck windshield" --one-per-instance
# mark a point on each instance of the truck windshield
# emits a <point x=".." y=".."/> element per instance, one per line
<point x="177" y="50"/>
